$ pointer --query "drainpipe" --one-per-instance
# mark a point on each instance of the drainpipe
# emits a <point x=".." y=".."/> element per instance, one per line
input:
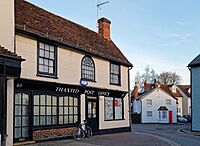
<point x="129" y="99"/>
<point x="191" y="95"/>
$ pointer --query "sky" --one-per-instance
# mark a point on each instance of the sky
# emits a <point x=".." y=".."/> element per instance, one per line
<point x="164" y="34"/>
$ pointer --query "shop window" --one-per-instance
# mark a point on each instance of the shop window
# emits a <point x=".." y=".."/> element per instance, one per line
<point x="113" y="108"/>
<point x="87" y="69"/>
<point x="47" y="59"/>
<point x="53" y="110"/>
<point x="114" y="74"/>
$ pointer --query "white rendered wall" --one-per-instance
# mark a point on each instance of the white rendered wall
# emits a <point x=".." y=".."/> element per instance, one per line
<point x="158" y="99"/>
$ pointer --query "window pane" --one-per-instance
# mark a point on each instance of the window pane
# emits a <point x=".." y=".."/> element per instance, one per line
<point x="66" y="120"/>
<point x="75" y="118"/>
<point x="42" y="99"/>
<point x="18" y="98"/>
<point x="65" y="110"/>
<point x="60" y="119"/>
<point x="17" y="132"/>
<point x="24" y="110"/>
<point x="17" y="121"/>
<point x="54" y="100"/>
<point x="42" y="110"/>
<point x="48" y="100"/>
<point x="51" y="70"/>
<point x="48" y="110"/>
<point x="118" y="108"/>
<point x="60" y="110"/>
<point x="54" y="111"/>
<point x="25" y="121"/>
<point x="51" y="48"/>
<point x="60" y="100"/>
<point x="51" y="55"/>
<point x="46" y="55"/>
<point x="36" y="121"/>
<point x="71" y="101"/>
<point x="48" y="120"/>
<point x="75" y="101"/>
<point x="41" y="68"/>
<point x="41" y="45"/>
<point x="41" y="53"/>
<point x="70" y="110"/>
<point x="46" y="62"/>
<point x="42" y="120"/>
<point x="75" y="110"/>
<point x="66" y="99"/>
<point x="54" y="120"/>
<point x="18" y="110"/>
<point x="46" y="47"/>
<point x="36" y="99"/>
<point x="108" y="108"/>
<point x="36" y="110"/>
<point x="25" y="132"/>
<point x="71" y="119"/>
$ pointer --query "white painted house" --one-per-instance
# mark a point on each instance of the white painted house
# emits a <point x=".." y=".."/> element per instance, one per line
<point x="158" y="105"/>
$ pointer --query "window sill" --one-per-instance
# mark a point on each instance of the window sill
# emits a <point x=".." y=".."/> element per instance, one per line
<point x="115" y="84"/>
<point x="89" y="80"/>
<point x="47" y="76"/>
<point x="114" y="120"/>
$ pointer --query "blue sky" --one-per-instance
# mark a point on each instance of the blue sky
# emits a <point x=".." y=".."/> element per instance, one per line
<point x="164" y="34"/>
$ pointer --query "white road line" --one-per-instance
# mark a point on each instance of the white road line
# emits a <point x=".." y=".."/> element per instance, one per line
<point x="161" y="138"/>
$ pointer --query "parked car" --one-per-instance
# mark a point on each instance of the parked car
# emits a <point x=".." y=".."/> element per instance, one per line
<point x="188" y="117"/>
<point x="181" y="119"/>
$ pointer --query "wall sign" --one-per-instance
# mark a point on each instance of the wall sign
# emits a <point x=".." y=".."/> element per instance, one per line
<point x="64" y="88"/>
<point x="83" y="83"/>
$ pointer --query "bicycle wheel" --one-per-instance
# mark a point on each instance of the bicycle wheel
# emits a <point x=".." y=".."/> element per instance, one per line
<point x="78" y="134"/>
<point x="89" y="131"/>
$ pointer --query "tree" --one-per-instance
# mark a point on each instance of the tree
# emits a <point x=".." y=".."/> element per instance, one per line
<point x="169" y="78"/>
<point x="150" y="76"/>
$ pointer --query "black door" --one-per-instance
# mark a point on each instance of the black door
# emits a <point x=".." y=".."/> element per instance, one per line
<point x="22" y="131"/>
<point x="92" y="115"/>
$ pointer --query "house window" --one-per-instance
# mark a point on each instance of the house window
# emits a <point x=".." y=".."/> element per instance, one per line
<point x="113" y="108"/>
<point x="149" y="102"/>
<point x="114" y="74"/>
<point x="87" y="69"/>
<point x="52" y="110"/>
<point x="164" y="114"/>
<point x="168" y="102"/>
<point x="149" y="114"/>
<point x="46" y="59"/>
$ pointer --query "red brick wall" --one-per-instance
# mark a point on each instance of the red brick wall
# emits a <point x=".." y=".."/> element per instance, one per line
<point x="52" y="133"/>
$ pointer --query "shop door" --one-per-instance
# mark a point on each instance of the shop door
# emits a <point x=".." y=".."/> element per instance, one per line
<point x="170" y="117"/>
<point x="22" y="130"/>
<point x="92" y="113"/>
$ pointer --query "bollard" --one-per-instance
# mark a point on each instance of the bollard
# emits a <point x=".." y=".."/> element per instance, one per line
<point x="0" y="139"/>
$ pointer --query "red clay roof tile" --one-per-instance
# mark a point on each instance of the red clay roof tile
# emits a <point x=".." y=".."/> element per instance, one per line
<point x="34" y="20"/>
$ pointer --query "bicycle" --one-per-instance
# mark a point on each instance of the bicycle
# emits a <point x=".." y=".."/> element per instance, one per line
<point x="82" y="131"/>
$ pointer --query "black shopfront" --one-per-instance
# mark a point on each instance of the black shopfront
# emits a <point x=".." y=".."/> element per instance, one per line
<point x="46" y="110"/>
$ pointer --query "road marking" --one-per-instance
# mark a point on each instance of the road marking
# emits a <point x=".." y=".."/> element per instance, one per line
<point x="161" y="138"/>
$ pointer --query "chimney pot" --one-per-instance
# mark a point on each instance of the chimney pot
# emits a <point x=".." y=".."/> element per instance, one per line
<point x="104" y="28"/>
<point x="135" y="92"/>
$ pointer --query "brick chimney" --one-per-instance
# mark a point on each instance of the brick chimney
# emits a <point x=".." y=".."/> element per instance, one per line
<point x="135" y="91"/>
<point x="104" y="28"/>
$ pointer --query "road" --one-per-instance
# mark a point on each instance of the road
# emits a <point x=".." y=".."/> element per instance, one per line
<point x="169" y="133"/>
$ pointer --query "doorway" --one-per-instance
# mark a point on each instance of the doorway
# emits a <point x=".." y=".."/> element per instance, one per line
<point x="22" y="131"/>
<point x="170" y="117"/>
<point x="92" y="113"/>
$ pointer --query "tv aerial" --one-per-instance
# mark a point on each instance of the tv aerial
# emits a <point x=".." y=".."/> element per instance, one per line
<point x="99" y="4"/>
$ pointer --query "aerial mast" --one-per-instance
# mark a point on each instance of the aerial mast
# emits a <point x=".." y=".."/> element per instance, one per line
<point x="99" y="4"/>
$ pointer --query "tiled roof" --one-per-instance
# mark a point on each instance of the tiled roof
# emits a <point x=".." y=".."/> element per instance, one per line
<point x="185" y="89"/>
<point x="31" y="19"/>
<point x="195" y="62"/>
<point x="4" y="52"/>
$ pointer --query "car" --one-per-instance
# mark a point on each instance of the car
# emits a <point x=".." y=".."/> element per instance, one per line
<point x="181" y="119"/>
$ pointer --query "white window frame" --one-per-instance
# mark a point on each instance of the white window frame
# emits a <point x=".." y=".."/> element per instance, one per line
<point x="149" y="115"/>
<point x="149" y="102"/>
